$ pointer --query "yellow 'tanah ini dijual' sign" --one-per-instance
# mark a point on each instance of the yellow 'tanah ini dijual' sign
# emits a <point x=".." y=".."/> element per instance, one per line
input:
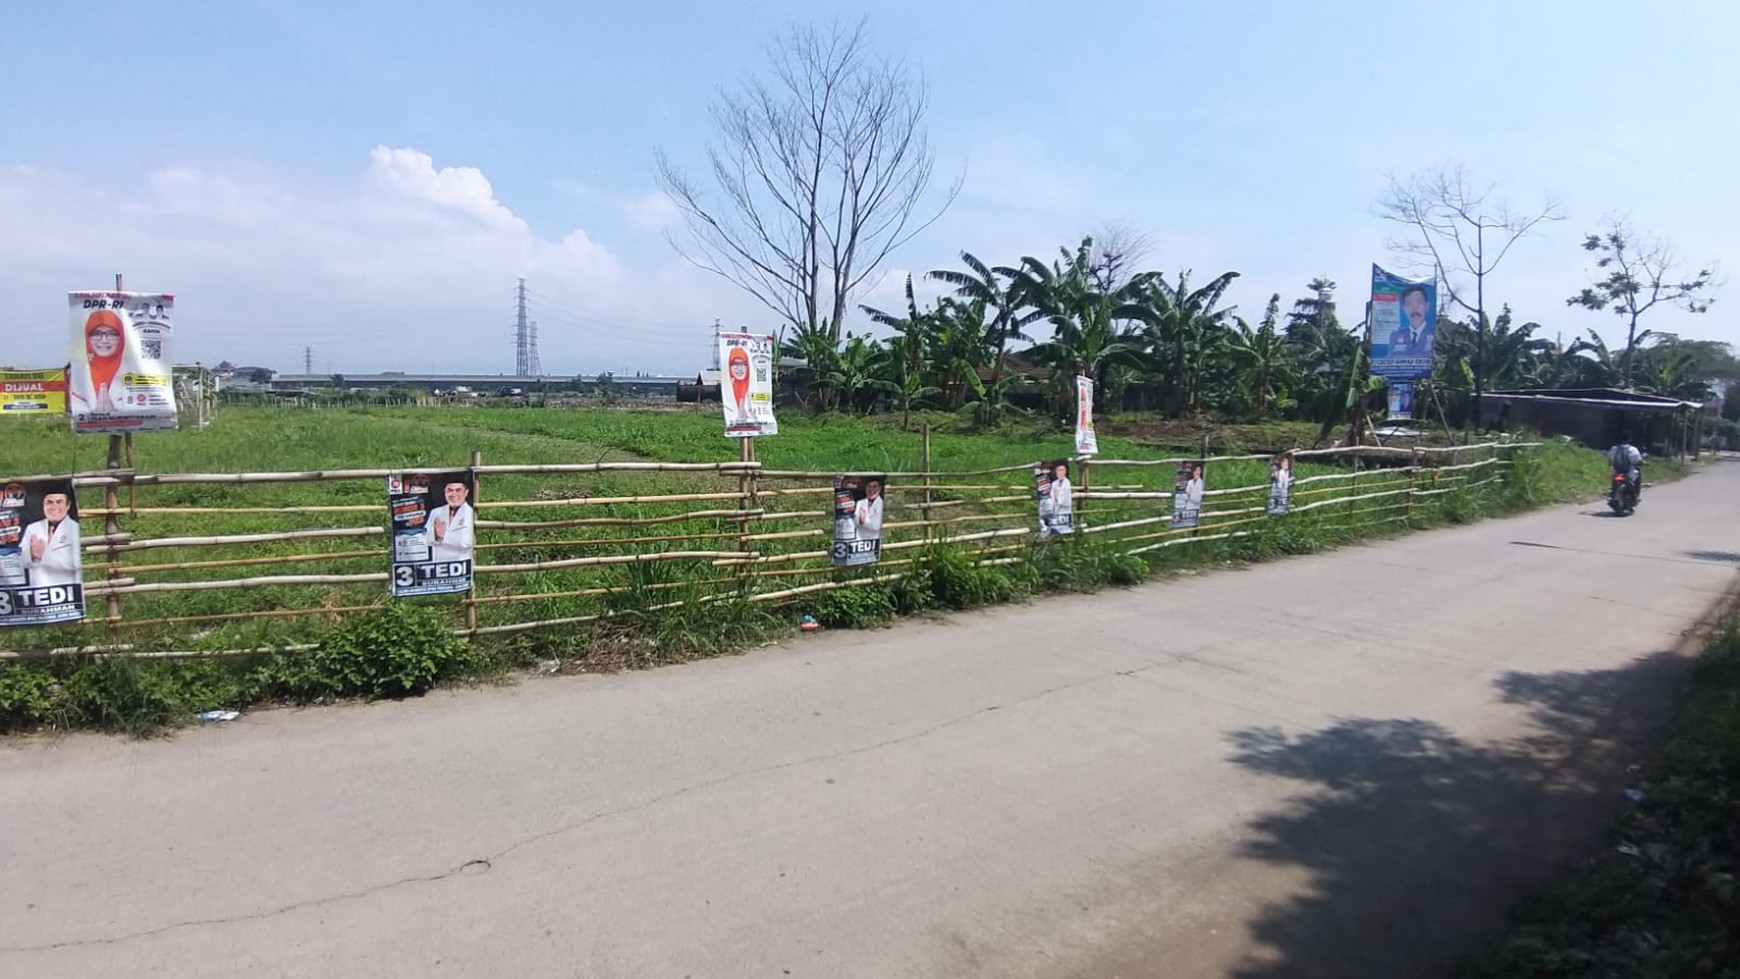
<point x="33" y="392"/>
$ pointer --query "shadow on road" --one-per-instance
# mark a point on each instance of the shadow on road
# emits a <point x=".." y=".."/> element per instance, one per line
<point x="1719" y="557"/>
<point x="1414" y="843"/>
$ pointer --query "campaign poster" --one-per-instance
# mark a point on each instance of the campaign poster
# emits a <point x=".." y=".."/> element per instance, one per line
<point x="858" y="510"/>
<point x="1086" y="442"/>
<point x="746" y="385"/>
<point x="121" y="376"/>
<point x="1187" y="489"/>
<point x="33" y="392"/>
<point x="434" y="532"/>
<point x="41" y="562"/>
<point x="1401" y="400"/>
<point x="1404" y="318"/>
<point x="1280" y="484"/>
<point x="1056" y="498"/>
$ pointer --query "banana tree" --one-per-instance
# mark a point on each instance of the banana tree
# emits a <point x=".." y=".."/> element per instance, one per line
<point x="1185" y="333"/>
<point x="1085" y="335"/>
<point x="815" y="346"/>
<point x="1009" y="313"/>
<point x="1264" y="360"/>
<point x="861" y="363"/>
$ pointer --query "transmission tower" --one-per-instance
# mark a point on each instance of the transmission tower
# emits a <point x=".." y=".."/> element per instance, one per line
<point x="307" y="360"/>
<point x="534" y="368"/>
<point x="522" y="337"/>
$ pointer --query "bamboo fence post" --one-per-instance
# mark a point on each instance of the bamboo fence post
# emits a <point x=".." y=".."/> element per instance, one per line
<point x="746" y="491"/>
<point x="1087" y="485"/>
<point x="112" y="526"/>
<point x="926" y="467"/>
<point x="1413" y="484"/>
<point x="1352" y="489"/>
<point x="476" y="498"/>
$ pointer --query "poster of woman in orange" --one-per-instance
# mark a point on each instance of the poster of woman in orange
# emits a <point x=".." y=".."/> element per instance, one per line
<point x="120" y="377"/>
<point x="746" y="384"/>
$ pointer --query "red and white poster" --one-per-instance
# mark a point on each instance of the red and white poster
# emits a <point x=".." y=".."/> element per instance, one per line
<point x="1086" y="442"/>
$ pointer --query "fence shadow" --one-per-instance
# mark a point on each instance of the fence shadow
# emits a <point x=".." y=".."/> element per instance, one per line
<point x="1416" y="842"/>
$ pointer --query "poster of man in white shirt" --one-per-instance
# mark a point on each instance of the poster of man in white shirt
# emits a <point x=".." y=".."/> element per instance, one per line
<point x="1056" y="499"/>
<point x="1187" y="492"/>
<point x="858" y="511"/>
<point x="41" y="565"/>
<point x="434" y="530"/>
<point x="1280" y="484"/>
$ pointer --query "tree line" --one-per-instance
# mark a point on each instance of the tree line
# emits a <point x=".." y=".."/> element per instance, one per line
<point x="822" y="167"/>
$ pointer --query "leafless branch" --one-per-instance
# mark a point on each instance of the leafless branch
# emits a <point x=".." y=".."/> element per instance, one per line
<point x="1453" y="228"/>
<point x="820" y="170"/>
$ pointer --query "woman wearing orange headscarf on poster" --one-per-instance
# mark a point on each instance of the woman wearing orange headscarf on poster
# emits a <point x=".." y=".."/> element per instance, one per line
<point x="737" y="368"/>
<point x="95" y="387"/>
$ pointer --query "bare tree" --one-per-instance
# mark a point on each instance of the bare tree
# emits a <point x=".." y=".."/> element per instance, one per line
<point x="1639" y="276"/>
<point x="820" y="168"/>
<point x="1456" y="229"/>
<point x="1117" y="249"/>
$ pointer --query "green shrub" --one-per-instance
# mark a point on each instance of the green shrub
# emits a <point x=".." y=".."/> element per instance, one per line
<point x="857" y="607"/>
<point x="957" y="580"/>
<point x="394" y="651"/>
<point x="914" y="592"/>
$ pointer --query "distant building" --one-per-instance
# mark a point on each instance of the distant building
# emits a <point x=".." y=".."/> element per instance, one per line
<point x="1597" y="417"/>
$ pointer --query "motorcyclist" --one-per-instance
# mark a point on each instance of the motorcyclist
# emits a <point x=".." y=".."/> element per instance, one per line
<point x="1628" y="462"/>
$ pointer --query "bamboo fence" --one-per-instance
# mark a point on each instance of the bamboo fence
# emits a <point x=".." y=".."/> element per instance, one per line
<point x="267" y="560"/>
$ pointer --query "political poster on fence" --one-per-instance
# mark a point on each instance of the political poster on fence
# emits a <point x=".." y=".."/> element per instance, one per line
<point x="33" y="392"/>
<point x="1404" y="326"/>
<point x="1401" y="400"/>
<point x="1056" y="498"/>
<point x="746" y="384"/>
<point x="1280" y="485"/>
<point x="41" y="563"/>
<point x="121" y="377"/>
<point x="434" y="532"/>
<point x="858" y="509"/>
<point x="1187" y="489"/>
<point x="1086" y="442"/>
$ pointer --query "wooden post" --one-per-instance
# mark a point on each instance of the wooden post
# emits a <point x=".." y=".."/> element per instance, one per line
<point x="747" y="486"/>
<point x="1078" y="525"/>
<point x="476" y="498"/>
<point x="1413" y="484"/>
<point x="112" y="502"/>
<point x="1352" y="489"/>
<point x="926" y="469"/>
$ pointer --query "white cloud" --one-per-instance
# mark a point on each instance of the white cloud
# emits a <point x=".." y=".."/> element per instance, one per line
<point x="463" y="189"/>
<point x="655" y="211"/>
<point x="408" y="266"/>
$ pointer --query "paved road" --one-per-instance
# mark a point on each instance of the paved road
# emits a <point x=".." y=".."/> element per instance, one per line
<point x="1337" y="765"/>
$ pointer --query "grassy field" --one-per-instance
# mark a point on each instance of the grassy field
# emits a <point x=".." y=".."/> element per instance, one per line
<point x="638" y="631"/>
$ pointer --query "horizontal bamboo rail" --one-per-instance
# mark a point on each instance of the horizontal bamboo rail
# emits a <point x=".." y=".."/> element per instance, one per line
<point x="993" y="520"/>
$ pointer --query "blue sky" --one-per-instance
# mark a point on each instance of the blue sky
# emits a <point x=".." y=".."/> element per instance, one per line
<point x="368" y="178"/>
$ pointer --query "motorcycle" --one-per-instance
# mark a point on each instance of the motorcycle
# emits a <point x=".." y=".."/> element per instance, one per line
<point x="1622" y="497"/>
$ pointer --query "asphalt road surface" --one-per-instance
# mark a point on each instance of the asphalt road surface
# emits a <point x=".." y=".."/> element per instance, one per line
<point x="1339" y="765"/>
